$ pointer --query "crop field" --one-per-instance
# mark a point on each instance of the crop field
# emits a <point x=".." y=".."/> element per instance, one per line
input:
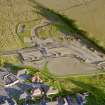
<point x="12" y="13"/>
<point x="89" y="15"/>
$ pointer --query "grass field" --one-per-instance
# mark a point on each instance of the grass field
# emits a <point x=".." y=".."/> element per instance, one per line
<point x="89" y="15"/>
<point x="9" y="59"/>
<point x="50" y="31"/>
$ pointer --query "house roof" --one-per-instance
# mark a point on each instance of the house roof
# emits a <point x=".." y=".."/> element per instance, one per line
<point x="24" y="76"/>
<point x="36" y="92"/>
<point x="23" y="96"/>
<point x="3" y="91"/>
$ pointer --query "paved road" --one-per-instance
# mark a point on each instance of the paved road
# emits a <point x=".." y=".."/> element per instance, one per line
<point x="14" y="52"/>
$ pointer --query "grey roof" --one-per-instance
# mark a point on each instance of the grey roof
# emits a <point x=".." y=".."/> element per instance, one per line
<point x="6" y="77"/>
<point x="23" y="96"/>
<point x="3" y="91"/>
<point x="3" y="72"/>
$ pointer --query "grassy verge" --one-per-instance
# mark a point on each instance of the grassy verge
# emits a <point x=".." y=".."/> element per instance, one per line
<point x="95" y="85"/>
<point x="9" y="59"/>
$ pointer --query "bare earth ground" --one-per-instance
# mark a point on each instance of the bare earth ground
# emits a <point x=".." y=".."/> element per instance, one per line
<point x="68" y="65"/>
<point x="89" y="15"/>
